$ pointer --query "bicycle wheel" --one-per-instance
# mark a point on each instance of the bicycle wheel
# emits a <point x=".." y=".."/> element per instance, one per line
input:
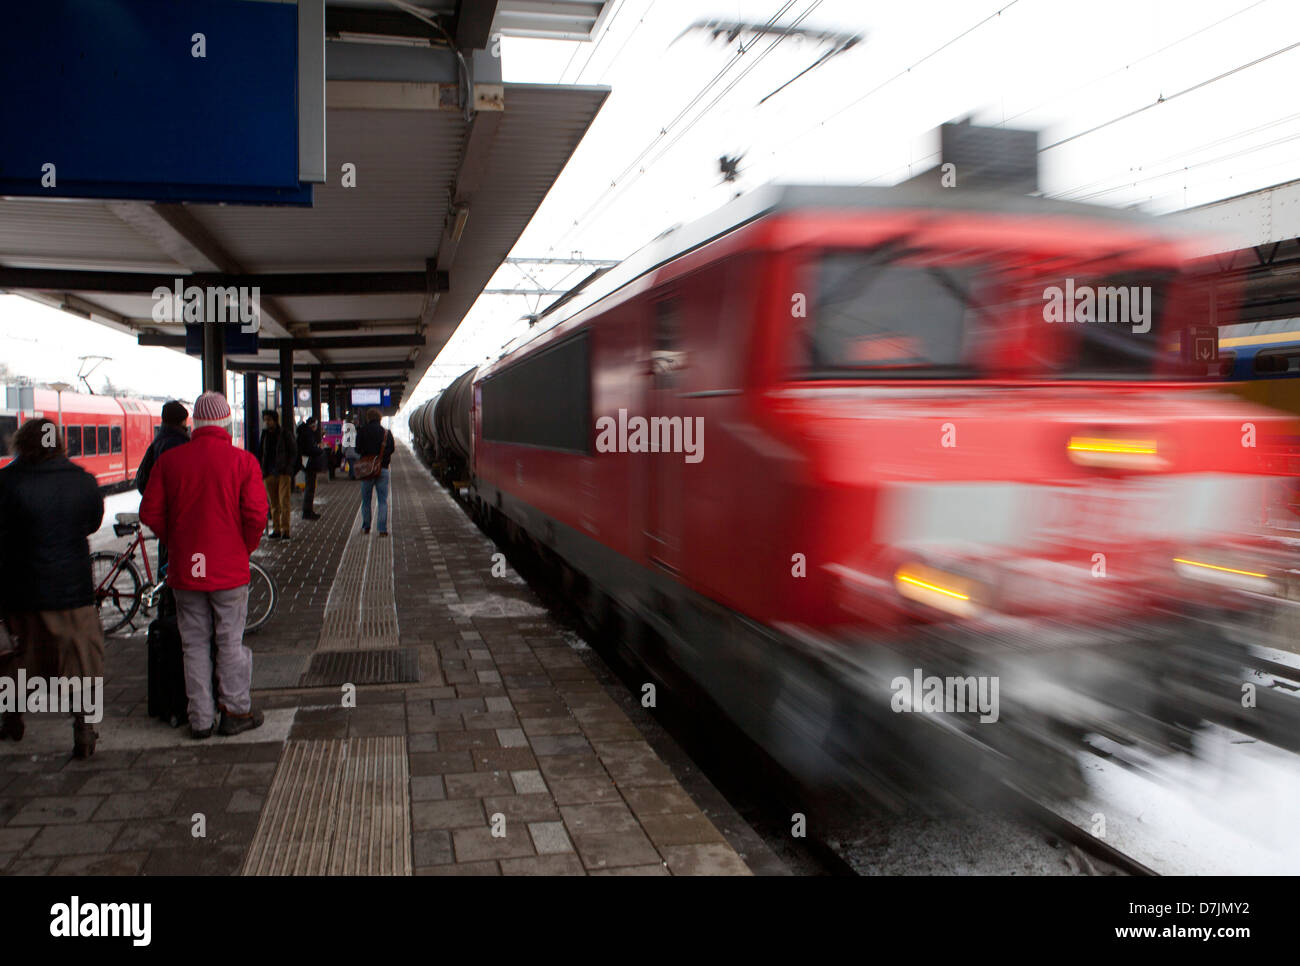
<point x="262" y="596"/>
<point x="117" y="589"/>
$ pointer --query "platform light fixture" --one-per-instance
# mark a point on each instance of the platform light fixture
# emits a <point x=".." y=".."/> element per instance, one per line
<point x="459" y="215"/>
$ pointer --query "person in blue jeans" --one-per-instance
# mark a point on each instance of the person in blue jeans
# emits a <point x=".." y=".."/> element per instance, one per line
<point x="374" y="440"/>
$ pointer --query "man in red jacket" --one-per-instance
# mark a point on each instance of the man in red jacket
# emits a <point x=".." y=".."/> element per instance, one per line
<point x="206" y="502"/>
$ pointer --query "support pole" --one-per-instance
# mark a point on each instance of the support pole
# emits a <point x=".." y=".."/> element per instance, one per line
<point x="252" y="413"/>
<point x="315" y="392"/>
<point x="286" y="388"/>
<point x="214" y="357"/>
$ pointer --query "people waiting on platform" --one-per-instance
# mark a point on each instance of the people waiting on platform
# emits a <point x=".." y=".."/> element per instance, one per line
<point x="279" y="458"/>
<point x="375" y="441"/>
<point x="206" y="501"/>
<point x="174" y="432"/>
<point x="310" y="453"/>
<point x="49" y="506"/>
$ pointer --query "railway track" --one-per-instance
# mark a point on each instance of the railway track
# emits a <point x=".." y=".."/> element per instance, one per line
<point x="1043" y="816"/>
<point x="766" y="798"/>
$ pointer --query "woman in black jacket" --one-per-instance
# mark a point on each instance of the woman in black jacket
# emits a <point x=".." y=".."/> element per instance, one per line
<point x="48" y="507"/>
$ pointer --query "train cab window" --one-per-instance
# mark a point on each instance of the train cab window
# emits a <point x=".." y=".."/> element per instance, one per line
<point x="887" y="317"/>
<point x="88" y="441"/>
<point x="115" y="445"/>
<point x="72" y="438"/>
<point x="103" y="439"/>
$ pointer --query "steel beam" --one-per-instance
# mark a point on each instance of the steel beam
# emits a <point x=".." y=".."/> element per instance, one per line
<point x="281" y="284"/>
<point x="381" y="23"/>
<point x="474" y="23"/>
<point x="378" y="341"/>
<point x="400" y="365"/>
<point x="175" y="230"/>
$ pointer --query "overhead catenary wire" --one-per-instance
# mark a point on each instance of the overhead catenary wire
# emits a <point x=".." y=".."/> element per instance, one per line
<point x="623" y="46"/>
<point x="725" y="91"/>
<point x="1145" y="57"/>
<point x="612" y="193"/>
<point x="663" y="131"/>
<point x="907" y="70"/>
<point x="1183" y="170"/>
<point x="1227" y="139"/>
<point x="1162" y="99"/>
<point x="609" y="25"/>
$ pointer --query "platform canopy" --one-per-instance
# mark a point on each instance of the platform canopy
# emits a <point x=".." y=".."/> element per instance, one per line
<point x="1252" y="245"/>
<point x="432" y="169"/>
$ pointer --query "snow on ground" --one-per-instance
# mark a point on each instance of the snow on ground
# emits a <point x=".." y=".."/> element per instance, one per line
<point x="1233" y="809"/>
<point x="114" y="503"/>
<point x="490" y="605"/>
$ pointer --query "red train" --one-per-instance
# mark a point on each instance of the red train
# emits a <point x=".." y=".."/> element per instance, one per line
<point x="107" y="435"/>
<point x="830" y="440"/>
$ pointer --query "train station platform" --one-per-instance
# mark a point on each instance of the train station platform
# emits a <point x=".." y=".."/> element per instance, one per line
<point x="422" y="717"/>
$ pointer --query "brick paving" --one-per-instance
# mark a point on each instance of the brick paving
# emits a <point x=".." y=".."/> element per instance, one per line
<point x="521" y="759"/>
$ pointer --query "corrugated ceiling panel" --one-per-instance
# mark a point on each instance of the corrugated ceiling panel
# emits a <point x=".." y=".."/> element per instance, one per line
<point x="36" y="233"/>
<point x="541" y="129"/>
<point x="391" y="220"/>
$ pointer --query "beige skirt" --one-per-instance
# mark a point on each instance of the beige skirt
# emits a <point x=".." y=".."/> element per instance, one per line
<point x="55" y="643"/>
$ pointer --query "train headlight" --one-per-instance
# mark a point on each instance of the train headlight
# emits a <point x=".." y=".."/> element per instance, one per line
<point x="1215" y="568"/>
<point x="1112" y="452"/>
<point x="939" y="589"/>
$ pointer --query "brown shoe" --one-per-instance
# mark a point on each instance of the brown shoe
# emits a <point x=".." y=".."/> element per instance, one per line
<point x="234" y="724"/>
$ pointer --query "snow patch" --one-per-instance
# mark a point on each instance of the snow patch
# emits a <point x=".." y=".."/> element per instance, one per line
<point x="492" y="605"/>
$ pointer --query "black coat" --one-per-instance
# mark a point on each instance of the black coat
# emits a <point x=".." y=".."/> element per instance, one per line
<point x="374" y="440"/>
<point x="47" y="510"/>
<point x="279" y="455"/>
<point x="309" y="447"/>
<point x="169" y="436"/>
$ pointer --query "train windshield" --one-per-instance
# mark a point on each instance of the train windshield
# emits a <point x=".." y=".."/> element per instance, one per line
<point x="1115" y="326"/>
<point x="874" y="313"/>
<point x="915" y="314"/>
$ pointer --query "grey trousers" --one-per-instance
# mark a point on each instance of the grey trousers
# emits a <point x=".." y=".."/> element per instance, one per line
<point x="196" y="613"/>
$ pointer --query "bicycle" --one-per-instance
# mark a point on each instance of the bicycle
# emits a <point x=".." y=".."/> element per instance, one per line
<point x="120" y="593"/>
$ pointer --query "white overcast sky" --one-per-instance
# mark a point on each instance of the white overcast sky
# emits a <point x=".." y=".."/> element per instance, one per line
<point x="865" y="116"/>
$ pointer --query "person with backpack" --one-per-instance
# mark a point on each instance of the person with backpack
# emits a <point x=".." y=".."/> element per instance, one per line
<point x="206" y="500"/>
<point x="49" y="506"/>
<point x="310" y="452"/>
<point x="174" y="432"/>
<point x="375" y="449"/>
<point x="279" y="458"/>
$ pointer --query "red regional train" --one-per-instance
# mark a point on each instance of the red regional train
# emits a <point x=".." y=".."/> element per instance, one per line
<point x="829" y="452"/>
<point x="106" y="435"/>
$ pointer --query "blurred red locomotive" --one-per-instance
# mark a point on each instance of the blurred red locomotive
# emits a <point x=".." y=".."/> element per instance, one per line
<point x="106" y="435"/>
<point x="831" y="439"/>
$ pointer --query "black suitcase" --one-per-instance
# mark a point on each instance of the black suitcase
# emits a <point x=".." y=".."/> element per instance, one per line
<point x="166" y="683"/>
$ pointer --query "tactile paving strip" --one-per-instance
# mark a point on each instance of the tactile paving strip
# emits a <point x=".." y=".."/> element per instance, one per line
<point x="336" y="807"/>
<point x="396" y="666"/>
<point x="361" y="610"/>
<point x="377" y="622"/>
